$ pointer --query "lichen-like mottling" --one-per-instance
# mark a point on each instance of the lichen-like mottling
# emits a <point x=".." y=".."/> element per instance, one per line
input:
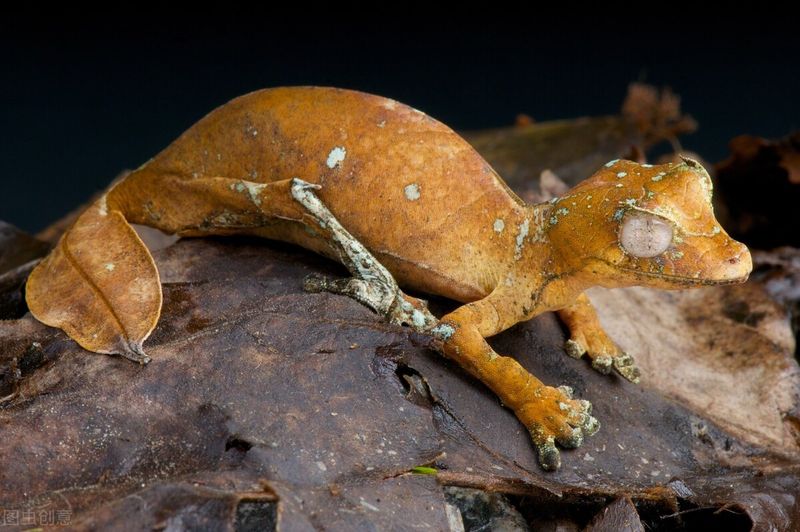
<point x="443" y="331"/>
<point x="254" y="190"/>
<point x="418" y="318"/>
<point x="523" y="232"/>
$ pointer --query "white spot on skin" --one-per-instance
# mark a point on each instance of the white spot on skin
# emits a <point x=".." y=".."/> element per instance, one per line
<point x="389" y="104"/>
<point x="609" y="164"/>
<point x="382" y="123"/>
<point x="647" y="166"/>
<point x="523" y="232"/>
<point x="412" y="192"/>
<point x="621" y="174"/>
<point x="499" y="225"/>
<point x="619" y="185"/>
<point x="336" y="156"/>
<point x="658" y="177"/>
<point x="110" y="266"/>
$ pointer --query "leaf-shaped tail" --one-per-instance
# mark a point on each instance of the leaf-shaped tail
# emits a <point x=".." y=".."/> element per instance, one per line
<point x="100" y="285"/>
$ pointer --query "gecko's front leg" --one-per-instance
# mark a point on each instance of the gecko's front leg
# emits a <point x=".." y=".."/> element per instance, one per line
<point x="550" y="414"/>
<point x="371" y="284"/>
<point x="587" y="337"/>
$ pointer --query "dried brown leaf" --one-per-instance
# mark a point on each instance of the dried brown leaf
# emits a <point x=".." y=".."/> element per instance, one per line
<point x="99" y="284"/>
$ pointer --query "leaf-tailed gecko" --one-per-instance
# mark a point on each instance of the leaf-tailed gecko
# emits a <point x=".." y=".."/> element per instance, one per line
<point x="395" y="195"/>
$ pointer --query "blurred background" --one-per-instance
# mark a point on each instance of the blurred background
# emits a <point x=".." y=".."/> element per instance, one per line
<point x="83" y="98"/>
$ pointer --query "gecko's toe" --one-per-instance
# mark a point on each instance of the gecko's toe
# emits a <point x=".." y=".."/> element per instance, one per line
<point x="603" y="364"/>
<point x="574" y="349"/>
<point x="315" y="283"/>
<point x="590" y="425"/>
<point x="549" y="457"/>
<point x="573" y="440"/>
<point x="625" y="366"/>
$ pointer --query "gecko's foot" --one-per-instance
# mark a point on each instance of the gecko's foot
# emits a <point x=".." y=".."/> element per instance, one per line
<point x="412" y="312"/>
<point x="554" y="417"/>
<point x="405" y="310"/>
<point x="604" y="354"/>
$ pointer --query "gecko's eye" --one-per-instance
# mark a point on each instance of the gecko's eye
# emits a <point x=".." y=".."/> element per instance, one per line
<point x="645" y="235"/>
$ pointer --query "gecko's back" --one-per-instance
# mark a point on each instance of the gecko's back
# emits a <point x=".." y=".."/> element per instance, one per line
<point x="414" y="192"/>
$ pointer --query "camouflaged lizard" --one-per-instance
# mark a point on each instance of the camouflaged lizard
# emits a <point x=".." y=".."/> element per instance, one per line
<point x="399" y="198"/>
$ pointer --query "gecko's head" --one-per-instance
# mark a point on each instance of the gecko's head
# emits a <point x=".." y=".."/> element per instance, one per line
<point x="650" y="225"/>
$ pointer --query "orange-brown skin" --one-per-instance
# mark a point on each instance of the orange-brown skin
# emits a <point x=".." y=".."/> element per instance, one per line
<point x="423" y="202"/>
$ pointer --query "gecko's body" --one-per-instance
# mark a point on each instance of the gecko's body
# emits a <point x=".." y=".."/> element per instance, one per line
<point x="399" y="181"/>
<point x="426" y="206"/>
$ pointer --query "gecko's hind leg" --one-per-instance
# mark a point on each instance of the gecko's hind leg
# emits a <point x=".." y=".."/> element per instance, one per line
<point x="372" y="284"/>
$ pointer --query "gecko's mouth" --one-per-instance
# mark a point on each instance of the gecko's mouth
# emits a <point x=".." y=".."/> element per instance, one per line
<point x="689" y="281"/>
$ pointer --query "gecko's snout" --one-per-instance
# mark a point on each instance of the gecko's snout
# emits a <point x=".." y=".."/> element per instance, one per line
<point x="734" y="266"/>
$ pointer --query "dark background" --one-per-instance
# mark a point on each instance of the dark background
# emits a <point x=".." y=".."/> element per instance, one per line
<point x="83" y="99"/>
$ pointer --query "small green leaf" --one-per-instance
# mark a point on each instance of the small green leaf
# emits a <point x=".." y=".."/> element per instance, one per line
<point x="423" y="470"/>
